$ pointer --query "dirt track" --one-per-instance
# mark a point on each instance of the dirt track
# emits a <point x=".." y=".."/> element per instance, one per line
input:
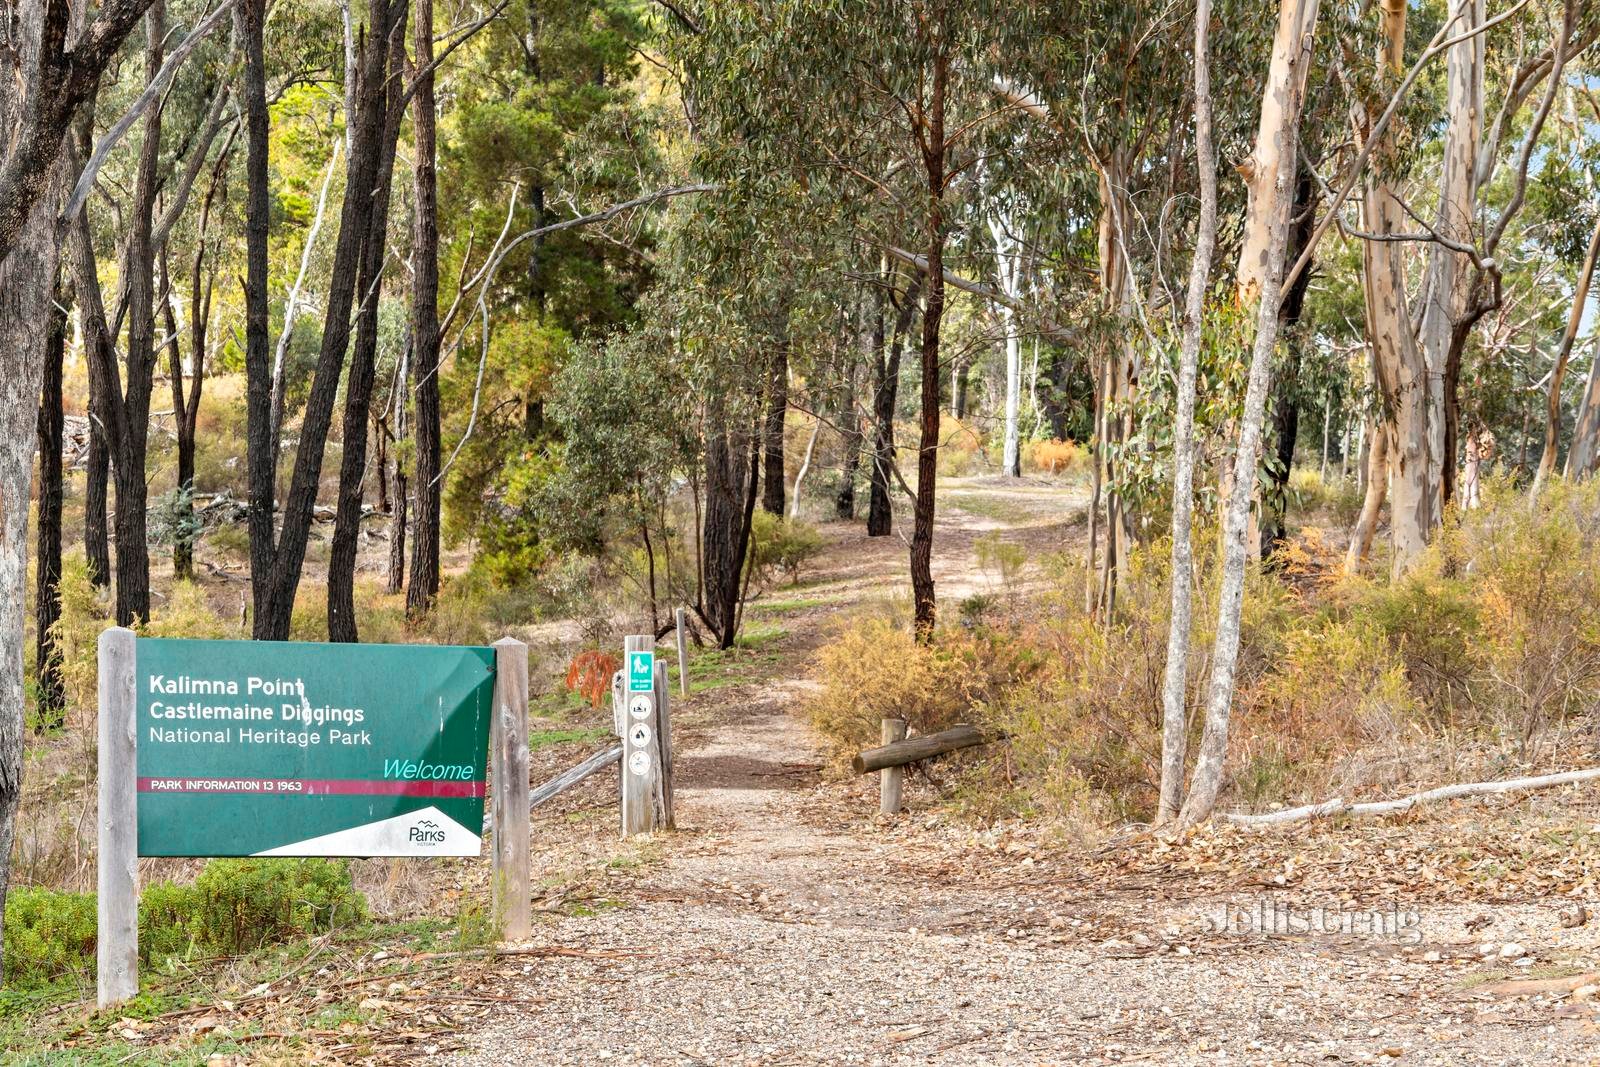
<point x="784" y="923"/>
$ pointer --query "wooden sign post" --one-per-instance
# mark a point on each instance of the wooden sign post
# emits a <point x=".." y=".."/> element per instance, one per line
<point x="513" y="891"/>
<point x="641" y="767"/>
<point x="117" y="946"/>
<point x="683" y="653"/>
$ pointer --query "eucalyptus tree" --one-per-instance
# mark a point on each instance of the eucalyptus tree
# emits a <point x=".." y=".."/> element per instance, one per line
<point x="878" y="103"/>
<point x="277" y="556"/>
<point x="541" y="118"/>
<point x="360" y="375"/>
<point x="1099" y="88"/>
<point x="1270" y="172"/>
<point x="163" y="175"/>
<point x="54" y="59"/>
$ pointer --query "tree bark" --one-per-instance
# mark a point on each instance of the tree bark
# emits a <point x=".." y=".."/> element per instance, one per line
<point x="1272" y="172"/>
<point x="774" y="478"/>
<point x="399" y="503"/>
<point x="1397" y="361"/>
<point x="1584" y="454"/>
<point x="26" y="283"/>
<point x="425" y="326"/>
<point x="42" y="82"/>
<point x="1174" y="685"/>
<point x="1377" y="485"/>
<point x="1286" y="404"/>
<point x="732" y="463"/>
<point x="1448" y="285"/>
<point x="97" y="464"/>
<point x="880" y="505"/>
<point x="267" y="619"/>
<point x="363" y="357"/>
<point x="934" y="158"/>
<point x="1552" y="425"/>
<point x="844" y="500"/>
<point x="1008" y="268"/>
<point x="185" y="408"/>
<point x="286" y="555"/>
<point x="130" y="412"/>
<point x="47" y="574"/>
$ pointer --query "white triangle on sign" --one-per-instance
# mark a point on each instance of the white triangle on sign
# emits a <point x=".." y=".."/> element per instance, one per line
<point x="429" y="832"/>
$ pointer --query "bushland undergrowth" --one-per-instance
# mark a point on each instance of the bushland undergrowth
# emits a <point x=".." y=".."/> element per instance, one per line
<point x="1483" y="658"/>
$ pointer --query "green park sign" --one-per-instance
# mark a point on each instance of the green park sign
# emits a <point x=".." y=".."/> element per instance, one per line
<point x="265" y="748"/>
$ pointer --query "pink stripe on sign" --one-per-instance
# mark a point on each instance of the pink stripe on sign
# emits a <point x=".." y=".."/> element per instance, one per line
<point x="311" y="787"/>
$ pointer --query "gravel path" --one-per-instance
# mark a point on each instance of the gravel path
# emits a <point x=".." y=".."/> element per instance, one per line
<point x="786" y="924"/>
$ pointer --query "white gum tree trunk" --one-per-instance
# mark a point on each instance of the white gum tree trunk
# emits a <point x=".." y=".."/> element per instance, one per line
<point x="1009" y="272"/>
<point x="1396" y="358"/>
<point x="1271" y="173"/>
<point x="1174" y="687"/>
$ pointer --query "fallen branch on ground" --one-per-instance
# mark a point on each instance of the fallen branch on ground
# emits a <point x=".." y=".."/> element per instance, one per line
<point x="1521" y="987"/>
<point x="1340" y="806"/>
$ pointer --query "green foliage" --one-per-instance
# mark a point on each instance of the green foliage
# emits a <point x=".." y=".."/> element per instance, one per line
<point x="173" y="519"/>
<point x="48" y="936"/>
<point x="1004" y="559"/>
<point x="780" y="545"/>
<point x="233" y="907"/>
<point x="244" y="904"/>
<point x="84" y="613"/>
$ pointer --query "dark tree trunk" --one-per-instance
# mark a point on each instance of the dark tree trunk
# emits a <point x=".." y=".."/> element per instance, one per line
<point x="380" y="458"/>
<point x="773" y="473"/>
<point x="185" y="409"/>
<point x="1286" y="404"/>
<point x="78" y="254"/>
<point x="425" y="329"/>
<point x="924" y="607"/>
<point x="880" y="505"/>
<point x="47" y="585"/>
<point x="732" y="458"/>
<point x="397" y="493"/>
<point x="363" y="358"/>
<point x="97" y="485"/>
<point x="130" y="414"/>
<point x="960" y="376"/>
<point x="260" y="457"/>
<point x="284" y="559"/>
<point x="845" y="498"/>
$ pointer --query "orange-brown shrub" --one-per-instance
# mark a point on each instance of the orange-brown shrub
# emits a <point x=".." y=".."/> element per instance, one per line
<point x="589" y="675"/>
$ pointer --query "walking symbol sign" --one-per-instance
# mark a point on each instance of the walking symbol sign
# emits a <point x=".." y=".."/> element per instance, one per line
<point x="641" y="672"/>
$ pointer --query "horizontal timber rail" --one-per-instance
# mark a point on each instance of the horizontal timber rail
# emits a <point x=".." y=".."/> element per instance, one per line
<point x="911" y="750"/>
<point x="569" y="778"/>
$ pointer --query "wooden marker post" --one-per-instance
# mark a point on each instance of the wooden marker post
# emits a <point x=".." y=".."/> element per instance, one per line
<point x="117" y="946"/>
<point x="891" y="780"/>
<point x="664" y="746"/>
<point x="683" y="655"/>
<point x="641" y="761"/>
<point x="512" y="893"/>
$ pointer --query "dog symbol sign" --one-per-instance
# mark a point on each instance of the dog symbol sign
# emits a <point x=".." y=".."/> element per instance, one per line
<point x="641" y="672"/>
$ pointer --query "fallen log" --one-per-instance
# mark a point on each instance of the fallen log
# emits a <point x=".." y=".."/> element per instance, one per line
<point x="1340" y="806"/>
<point x="913" y="749"/>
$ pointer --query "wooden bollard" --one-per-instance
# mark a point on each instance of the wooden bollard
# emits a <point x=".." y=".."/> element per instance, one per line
<point x="512" y="887"/>
<point x="891" y="780"/>
<point x="117" y="918"/>
<point x="683" y="654"/>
